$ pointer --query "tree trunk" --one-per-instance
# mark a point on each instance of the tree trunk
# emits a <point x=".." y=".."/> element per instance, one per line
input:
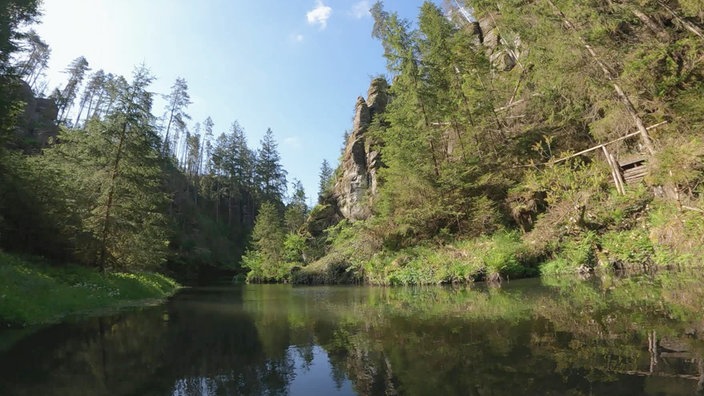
<point x="168" y="129"/>
<point x="609" y="76"/>
<point x="111" y="194"/>
<point x="687" y="25"/>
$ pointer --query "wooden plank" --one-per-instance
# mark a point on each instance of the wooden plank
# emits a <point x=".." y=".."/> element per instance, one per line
<point x="605" y="144"/>
<point x="597" y="147"/>
<point x="636" y="171"/>
<point x="614" y="170"/>
<point x="617" y="171"/>
<point x="631" y="161"/>
<point x="694" y="209"/>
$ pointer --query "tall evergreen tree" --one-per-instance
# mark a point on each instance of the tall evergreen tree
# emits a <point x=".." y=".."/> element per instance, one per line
<point x="270" y="175"/>
<point x="297" y="209"/>
<point x="32" y="66"/>
<point x="14" y="14"/>
<point x="91" y="93"/>
<point x="114" y="167"/>
<point x="265" y="258"/>
<point x="176" y="104"/>
<point x="76" y="71"/>
<point x="325" y="179"/>
<point x="194" y="151"/>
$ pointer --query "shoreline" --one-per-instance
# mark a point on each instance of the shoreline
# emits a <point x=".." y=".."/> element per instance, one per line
<point x="34" y="293"/>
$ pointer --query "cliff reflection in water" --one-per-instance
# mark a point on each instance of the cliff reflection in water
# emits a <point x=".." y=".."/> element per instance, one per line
<point x="565" y="336"/>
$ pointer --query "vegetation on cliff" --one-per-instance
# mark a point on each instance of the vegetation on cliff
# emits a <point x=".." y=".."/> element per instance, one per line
<point x="478" y="178"/>
<point x="466" y="161"/>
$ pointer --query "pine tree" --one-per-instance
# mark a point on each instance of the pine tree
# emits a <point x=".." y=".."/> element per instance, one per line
<point x="76" y="71"/>
<point x="37" y="59"/>
<point x="14" y="14"/>
<point x="176" y="104"/>
<point x="325" y="179"/>
<point x="297" y="209"/>
<point x="269" y="173"/>
<point x="114" y="167"/>
<point x="91" y="93"/>
<point x="194" y="151"/>
<point x="265" y="259"/>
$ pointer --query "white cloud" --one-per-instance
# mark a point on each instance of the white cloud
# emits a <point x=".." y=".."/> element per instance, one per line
<point x="297" y="38"/>
<point x="319" y="15"/>
<point x="361" y="9"/>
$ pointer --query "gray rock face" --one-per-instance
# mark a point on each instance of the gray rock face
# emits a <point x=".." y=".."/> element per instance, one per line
<point x="38" y="122"/>
<point x="502" y="51"/>
<point x="357" y="184"/>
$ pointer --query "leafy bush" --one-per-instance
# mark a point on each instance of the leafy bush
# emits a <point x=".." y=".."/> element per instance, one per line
<point x="628" y="247"/>
<point x="572" y="255"/>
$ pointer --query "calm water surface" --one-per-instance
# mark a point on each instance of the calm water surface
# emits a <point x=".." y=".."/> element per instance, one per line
<point x="609" y="336"/>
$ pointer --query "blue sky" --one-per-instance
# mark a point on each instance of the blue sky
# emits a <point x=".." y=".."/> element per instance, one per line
<point x="295" y="66"/>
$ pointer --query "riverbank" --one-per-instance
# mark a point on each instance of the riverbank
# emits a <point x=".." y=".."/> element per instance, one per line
<point x="640" y="235"/>
<point x="32" y="292"/>
<point x="500" y="256"/>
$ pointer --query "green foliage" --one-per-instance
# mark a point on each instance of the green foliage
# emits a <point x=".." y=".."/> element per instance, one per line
<point x="266" y="258"/>
<point x="502" y="255"/>
<point x="13" y="15"/>
<point x="294" y="248"/>
<point x="31" y="292"/>
<point x="111" y="172"/>
<point x="573" y="254"/>
<point x="677" y="235"/>
<point x="271" y="176"/>
<point x="297" y="209"/>
<point x="631" y="247"/>
<point x="326" y="179"/>
<point x="455" y="143"/>
<point x="679" y="165"/>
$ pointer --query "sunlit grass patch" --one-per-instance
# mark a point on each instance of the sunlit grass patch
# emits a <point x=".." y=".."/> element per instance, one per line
<point x="34" y="292"/>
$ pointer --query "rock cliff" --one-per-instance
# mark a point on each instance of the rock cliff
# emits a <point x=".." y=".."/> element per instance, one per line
<point x="502" y="48"/>
<point x="38" y="121"/>
<point x="356" y="184"/>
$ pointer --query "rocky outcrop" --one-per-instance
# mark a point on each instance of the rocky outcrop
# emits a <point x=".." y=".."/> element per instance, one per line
<point x="357" y="184"/>
<point x="503" y="50"/>
<point x="38" y="122"/>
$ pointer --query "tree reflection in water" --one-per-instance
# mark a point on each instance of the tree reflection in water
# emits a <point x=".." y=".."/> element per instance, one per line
<point x="609" y="335"/>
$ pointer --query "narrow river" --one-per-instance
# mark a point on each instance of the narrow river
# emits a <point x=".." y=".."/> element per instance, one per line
<point x="615" y="336"/>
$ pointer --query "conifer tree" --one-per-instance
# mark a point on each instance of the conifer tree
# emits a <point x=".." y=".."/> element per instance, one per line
<point x="325" y="178"/>
<point x="91" y="93"/>
<point x="13" y="15"/>
<point x="265" y="258"/>
<point x="76" y="71"/>
<point x="36" y="60"/>
<point x="176" y="104"/>
<point x="297" y="209"/>
<point x="113" y="175"/>
<point x="270" y="175"/>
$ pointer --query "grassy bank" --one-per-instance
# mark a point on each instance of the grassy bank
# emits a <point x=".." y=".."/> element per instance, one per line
<point x="634" y="233"/>
<point x="500" y="256"/>
<point x="32" y="292"/>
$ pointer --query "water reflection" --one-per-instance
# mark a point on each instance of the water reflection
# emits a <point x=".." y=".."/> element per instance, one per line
<point x="565" y="336"/>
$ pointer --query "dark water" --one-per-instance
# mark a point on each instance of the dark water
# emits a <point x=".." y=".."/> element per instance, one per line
<point x="568" y="337"/>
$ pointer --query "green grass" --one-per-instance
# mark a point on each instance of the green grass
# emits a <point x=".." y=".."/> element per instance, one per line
<point x="502" y="255"/>
<point x="35" y="293"/>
